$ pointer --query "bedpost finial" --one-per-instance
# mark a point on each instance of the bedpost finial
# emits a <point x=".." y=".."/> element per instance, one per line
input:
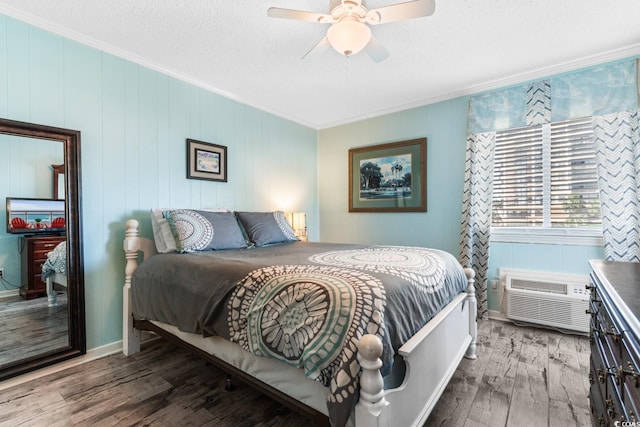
<point x="132" y="224"/>
<point x="370" y="347"/>
<point x="470" y="273"/>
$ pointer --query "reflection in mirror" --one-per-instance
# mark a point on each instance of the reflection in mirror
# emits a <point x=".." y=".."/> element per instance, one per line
<point x="58" y="181"/>
<point x="41" y="286"/>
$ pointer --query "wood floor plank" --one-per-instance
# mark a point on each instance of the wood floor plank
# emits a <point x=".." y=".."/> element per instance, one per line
<point x="529" y="403"/>
<point x="563" y="414"/>
<point x="31" y="327"/>
<point x="453" y="407"/>
<point x="490" y="405"/>
<point x="510" y="384"/>
<point x="31" y="407"/>
<point x="566" y="372"/>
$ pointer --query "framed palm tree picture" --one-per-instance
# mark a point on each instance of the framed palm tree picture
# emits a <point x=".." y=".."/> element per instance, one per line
<point x="389" y="177"/>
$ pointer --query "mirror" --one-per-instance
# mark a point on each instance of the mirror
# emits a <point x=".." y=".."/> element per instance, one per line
<point x="44" y="321"/>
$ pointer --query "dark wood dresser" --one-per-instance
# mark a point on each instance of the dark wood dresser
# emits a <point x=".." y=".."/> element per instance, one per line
<point x="614" y="336"/>
<point x="34" y="254"/>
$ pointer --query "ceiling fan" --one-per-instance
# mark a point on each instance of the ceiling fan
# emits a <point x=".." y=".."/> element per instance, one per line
<point x="349" y="32"/>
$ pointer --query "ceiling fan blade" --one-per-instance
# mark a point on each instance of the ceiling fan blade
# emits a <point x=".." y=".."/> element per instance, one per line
<point x="319" y="48"/>
<point x="299" y="15"/>
<point x="401" y="11"/>
<point x="375" y="50"/>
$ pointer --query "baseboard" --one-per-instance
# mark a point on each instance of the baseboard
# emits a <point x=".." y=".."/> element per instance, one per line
<point x="11" y="293"/>
<point x="497" y="315"/>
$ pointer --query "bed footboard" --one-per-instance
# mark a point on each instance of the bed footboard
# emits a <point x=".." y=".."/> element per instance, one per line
<point x="431" y="356"/>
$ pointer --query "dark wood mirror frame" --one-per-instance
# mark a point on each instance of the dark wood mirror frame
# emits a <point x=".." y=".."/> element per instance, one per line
<point x="75" y="276"/>
<point x="57" y="171"/>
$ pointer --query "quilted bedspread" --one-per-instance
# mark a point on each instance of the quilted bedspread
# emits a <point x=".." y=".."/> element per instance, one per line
<point x="306" y="304"/>
<point x="56" y="261"/>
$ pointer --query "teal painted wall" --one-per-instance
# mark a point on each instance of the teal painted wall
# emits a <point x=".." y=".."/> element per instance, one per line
<point x="134" y="123"/>
<point x="444" y="125"/>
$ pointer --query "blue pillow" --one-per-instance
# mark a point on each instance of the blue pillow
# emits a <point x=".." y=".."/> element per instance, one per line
<point x="266" y="228"/>
<point x="196" y="230"/>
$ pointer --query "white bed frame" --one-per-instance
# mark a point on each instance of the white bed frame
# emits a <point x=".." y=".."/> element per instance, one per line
<point x="431" y="356"/>
<point x="59" y="278"/>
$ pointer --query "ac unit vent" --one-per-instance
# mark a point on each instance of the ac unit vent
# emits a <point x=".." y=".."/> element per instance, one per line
<point x="550" y="299"/>
<point x="536" y="285"/>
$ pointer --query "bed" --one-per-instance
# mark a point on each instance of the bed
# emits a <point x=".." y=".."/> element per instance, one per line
<point x="382" y="356"/>
<point x="54" y="271"/>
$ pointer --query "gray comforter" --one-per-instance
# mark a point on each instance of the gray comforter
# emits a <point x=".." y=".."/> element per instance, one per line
<point x="306" y="304"/>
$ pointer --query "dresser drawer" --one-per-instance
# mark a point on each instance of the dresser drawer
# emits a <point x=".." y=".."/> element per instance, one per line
<point x="598" y="374"/>
<point x="45" y="245"/>
<point x="629" y="373"/>
<point x="614" y="341"/>
<point x="34" y="253"/>
<point x="599" y="415"/>
<point x="614" y="406"/>
<point x="630" y="399"/>
<point x="610" y="326"/>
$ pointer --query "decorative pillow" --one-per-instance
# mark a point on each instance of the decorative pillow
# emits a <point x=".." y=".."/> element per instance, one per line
<point x="198" y="230"/>
<point x="162" y="234"/>
<point x="266" y="228"/>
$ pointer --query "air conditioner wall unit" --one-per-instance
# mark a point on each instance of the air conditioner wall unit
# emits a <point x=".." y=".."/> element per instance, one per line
<point x="557" y="300"/>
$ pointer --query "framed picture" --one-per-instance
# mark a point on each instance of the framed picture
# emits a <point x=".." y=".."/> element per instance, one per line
<point x="389" y="177"/>
<point x="206" y="161"/>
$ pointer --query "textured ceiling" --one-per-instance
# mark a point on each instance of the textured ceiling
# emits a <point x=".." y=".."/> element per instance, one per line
<point x="231" y="47"/>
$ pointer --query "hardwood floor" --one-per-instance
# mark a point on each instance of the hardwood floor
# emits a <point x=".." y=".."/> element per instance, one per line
<point x="31" y="327"/>
<point x="523" y="377"/>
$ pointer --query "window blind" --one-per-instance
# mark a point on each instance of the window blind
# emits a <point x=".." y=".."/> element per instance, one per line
<point x="518" y="178"/>
<point x="545" y="176"/>
<point x="574" y="177"/>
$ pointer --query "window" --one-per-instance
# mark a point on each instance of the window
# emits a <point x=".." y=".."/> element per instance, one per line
<point x="545" y="177"/>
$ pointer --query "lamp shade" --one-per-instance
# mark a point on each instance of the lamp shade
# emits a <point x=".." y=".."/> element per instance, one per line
<point x="298" y="221"/>
<point x="348" y="36"/>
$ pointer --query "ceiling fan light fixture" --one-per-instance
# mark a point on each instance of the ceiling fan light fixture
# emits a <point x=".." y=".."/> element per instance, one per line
<point x="349" y="36"/>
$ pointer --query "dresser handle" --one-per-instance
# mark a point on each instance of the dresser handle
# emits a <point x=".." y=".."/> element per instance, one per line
<point x="48" y="245"/>
<point x="632" y="372"/>
<point x="602" y="375"/>
<point x="618" y="376"/>
<point x="613" y="333"/>
<point x="610" y="410"/>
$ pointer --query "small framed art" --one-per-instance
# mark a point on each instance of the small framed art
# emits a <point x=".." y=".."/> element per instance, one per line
<point x="206" y="161"/>
<point x="389" y="177"/>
